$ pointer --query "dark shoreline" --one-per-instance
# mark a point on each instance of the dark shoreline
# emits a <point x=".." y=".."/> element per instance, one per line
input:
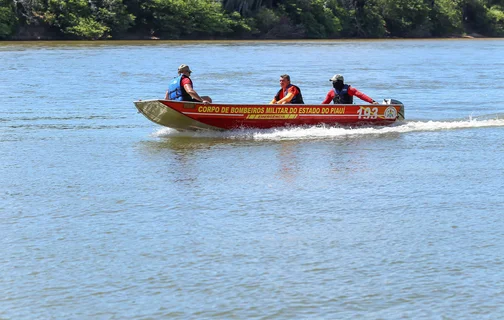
<point x="155" y="39"/>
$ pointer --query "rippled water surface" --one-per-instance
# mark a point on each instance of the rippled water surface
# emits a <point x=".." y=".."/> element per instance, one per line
<point x="105" y="215"/>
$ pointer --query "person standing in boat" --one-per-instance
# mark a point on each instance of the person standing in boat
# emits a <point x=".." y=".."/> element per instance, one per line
<point x="342" y="93"/>
<point x="288" y="92"/>
<point x="181" y="88"/>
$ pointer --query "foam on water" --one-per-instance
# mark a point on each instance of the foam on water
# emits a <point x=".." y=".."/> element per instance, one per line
<point x="324" y="132"/>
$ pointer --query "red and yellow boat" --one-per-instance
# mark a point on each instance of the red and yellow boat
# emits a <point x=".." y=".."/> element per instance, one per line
<point x="182" y="115"/>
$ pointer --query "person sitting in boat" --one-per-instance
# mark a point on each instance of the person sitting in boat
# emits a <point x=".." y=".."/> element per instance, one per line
<point x="181" y="87"/>
<point x="342" y="93"/>
<point x="288" y="92"/>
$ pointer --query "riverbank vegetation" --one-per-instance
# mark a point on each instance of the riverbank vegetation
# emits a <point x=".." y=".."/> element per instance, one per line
<point x="248" y="19"/>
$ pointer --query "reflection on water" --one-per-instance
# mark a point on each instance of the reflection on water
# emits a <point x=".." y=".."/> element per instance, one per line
<point x="189" y="142"/>
<point x="187" y="155"/>
<point x="288" y="160"/>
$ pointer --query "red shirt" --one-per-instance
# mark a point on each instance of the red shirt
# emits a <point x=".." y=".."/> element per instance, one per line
<point x="185" y="80"/>
<point x="351" y="91"/>
<point x="292" y="89"/>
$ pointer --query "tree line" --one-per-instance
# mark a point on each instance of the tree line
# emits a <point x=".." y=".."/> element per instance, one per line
<point x="248" y="19"/>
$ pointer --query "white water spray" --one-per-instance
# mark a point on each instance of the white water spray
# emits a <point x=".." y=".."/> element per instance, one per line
<point x="331" y="132"/>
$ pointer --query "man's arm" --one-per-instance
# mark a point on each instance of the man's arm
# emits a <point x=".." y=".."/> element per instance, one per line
<point x="190" y="91"/>
<point x="329" y="97"/>
<point x="286" y="99"/>
<point x="354" y="92"/>
<point x="291" y="92"/>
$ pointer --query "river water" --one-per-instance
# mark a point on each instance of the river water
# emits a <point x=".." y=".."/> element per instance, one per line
<point x="106" y="215"/>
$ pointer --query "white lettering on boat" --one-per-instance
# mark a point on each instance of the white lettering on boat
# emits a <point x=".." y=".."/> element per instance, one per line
<point x="367" y="113"/>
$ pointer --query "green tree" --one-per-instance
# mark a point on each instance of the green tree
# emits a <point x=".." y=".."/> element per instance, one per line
<point x="266" y="20"/>
<point x="475" y="16"/>
<point x="8" y="19"/>
<point x="244" y="7"/>
<point x="74" y="18"/>
<point x="361" y="19"/>
<point x="317" y="19"/>
<point x="446" y="17"/>
<point x="114" y="15"/>
<point x="406" y="18"/>
<point x="492" y="3"/>
<point x="209" y="19"/>
<point x="175" y="19"/>
<point x="83" y="19"/>
<point x="496" y="17"/>
<point x="143" y="22"/>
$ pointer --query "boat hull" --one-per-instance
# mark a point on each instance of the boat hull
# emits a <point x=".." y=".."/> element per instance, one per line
<point x="181" y="115"/>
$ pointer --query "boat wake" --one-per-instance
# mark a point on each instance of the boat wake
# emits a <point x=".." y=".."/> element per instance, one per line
<point x="328" y="132"/>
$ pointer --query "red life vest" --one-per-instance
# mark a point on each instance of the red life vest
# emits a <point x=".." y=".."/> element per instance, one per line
<point x="298" y="98"/>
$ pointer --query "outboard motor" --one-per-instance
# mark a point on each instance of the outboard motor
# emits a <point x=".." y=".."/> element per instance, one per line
<point x="400" y="115"/>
